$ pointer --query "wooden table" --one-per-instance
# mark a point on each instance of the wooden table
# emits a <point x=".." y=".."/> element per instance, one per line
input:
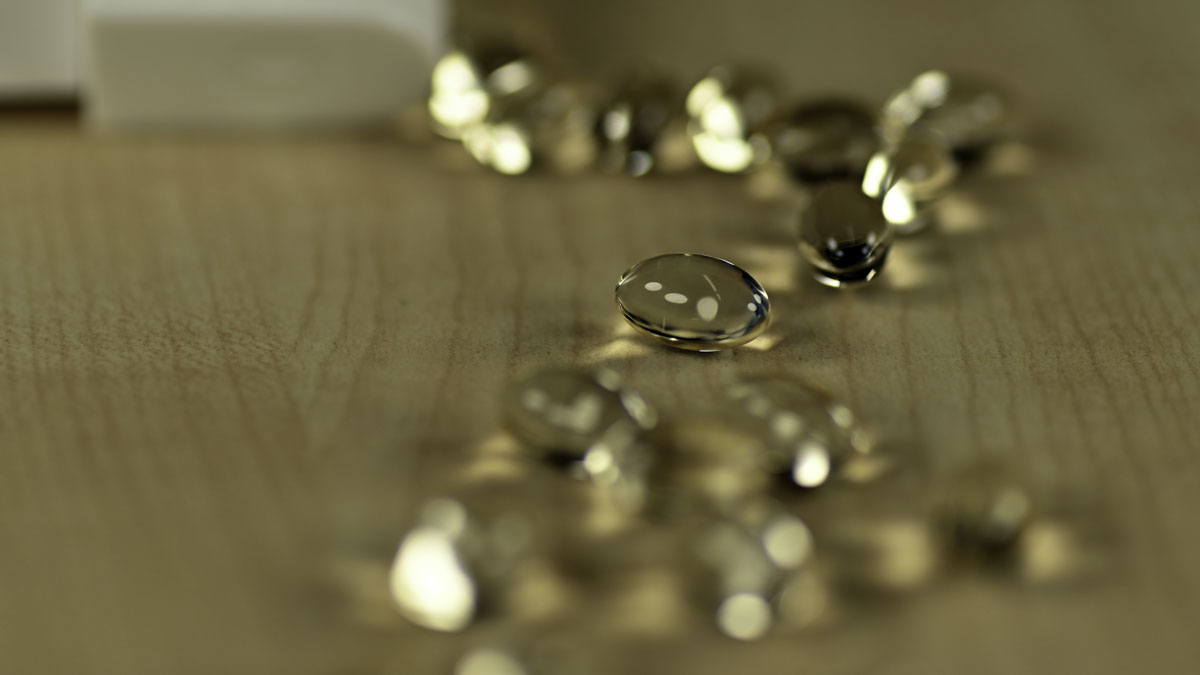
<point x="231" y="366"/>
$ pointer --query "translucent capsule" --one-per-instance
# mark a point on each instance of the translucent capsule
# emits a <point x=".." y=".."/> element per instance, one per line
<point x="823" y="140"/>
<point x="634" y="122"/>
<point x="810" y="435"/>
<point x="844" y="235"/>
<point x="467" y="81"/>
<point x="725" y="107"/>
<point x="693" y="302"/>
<point x="458" y="557"/>
<point x="923" y="164"/>
<point x="755" y="570"/>
<point x="986" y="509"/>
<point x="547" y="126"/>
<point x="569" y="411"/>
<point x="907" y="178"/>
<point x="966" y="112"/>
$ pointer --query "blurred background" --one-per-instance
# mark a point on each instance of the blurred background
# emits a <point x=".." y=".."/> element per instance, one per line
<point x="254" y="314"/>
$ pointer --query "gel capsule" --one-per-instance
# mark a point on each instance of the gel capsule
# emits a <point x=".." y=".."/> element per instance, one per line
<point x="967" y="112"/>
<point x="823" y="140"/>
<point x="467" y="82"/>
<point x="472" y="552"/>
<point x="987" y="509"/>
<point x="907" y="178"/>
<point x="725" y="108"/>
<point x="693" y="302"/>
<point x="811" y="436"/>
<point x="756" y="569"/>
<point x="477" y="550"/>
<point x="569" y="411"/>
<point x="548" y="127"/>
<point x="633" y="124"/>
<point x="844" y="235"/>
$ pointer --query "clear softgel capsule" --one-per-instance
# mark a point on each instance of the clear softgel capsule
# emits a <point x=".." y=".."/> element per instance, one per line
<point x="693" y="302"/>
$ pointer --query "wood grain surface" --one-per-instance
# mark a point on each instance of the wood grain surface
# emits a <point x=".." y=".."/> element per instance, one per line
<point x="229" y="367"/>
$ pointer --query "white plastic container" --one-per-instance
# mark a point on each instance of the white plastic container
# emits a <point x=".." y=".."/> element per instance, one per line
<point x="38" y="49"/>
<point x="255" y="64"/>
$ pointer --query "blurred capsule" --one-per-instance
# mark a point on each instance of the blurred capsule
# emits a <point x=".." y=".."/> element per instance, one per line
<point x="633" y="124"/>
<point x="468" y="80"/>
<point x="907" y="177"/>
<point x="986" y="509"/>
<point x="460" y="555"/>
<point x="619" y="466"/>
<point x="724" y="109"/>
<point x="430" y="581"/>
<point x="967" y="112"/>
<point x="844" y="235"/>
<point x="922" y="163"/>
<point x="750" y="564"/>
<point x="824" y="139"/>
<point x="548" y="127"/>
<point x="811" y="436"/>
<point x="568" y="412"/>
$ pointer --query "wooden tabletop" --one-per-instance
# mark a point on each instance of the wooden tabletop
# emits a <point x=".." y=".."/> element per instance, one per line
<point x="230" y="367"/>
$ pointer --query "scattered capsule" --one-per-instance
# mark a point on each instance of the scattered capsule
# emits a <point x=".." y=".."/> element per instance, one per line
<point x="461" y="556"/>
<point x="569" y="411"/>
<point x="844" y="235"/>
<point x="725" y="108"/>
<point x="967" y="112"/>
<point x="549" y="126"/>
<point x="468" y="81"/>
<point x="755" y="569"/>
<point x="811" y="436"/>
<point x="693" y="302"/>
<point x="987" y="509"/>
<point x="908" y="177"/>
<point x="824" y="139"/>
<point x="634" y="122"/>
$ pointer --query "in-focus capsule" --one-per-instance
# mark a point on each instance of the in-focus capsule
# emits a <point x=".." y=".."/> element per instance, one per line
<point x="694" y="302"/>
<point x="844" y="235"/>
